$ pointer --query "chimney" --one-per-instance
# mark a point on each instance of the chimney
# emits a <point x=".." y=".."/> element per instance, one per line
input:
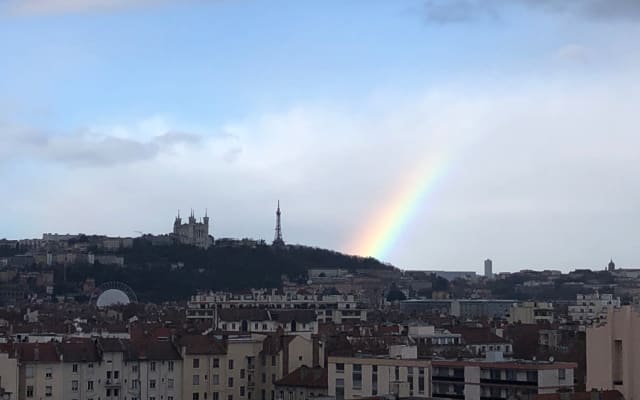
<point x="36" y="353"/>
<point x="316" y="351"/>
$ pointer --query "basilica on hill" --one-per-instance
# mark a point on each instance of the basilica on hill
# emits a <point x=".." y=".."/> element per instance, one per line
<point x="193" y="233"/>
<point x="196" y="233"/>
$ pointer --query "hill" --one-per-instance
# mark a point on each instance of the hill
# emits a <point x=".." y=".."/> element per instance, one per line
<point x="162" y="273"/>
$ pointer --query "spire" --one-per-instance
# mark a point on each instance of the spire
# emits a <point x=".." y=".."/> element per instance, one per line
<point x="277" y="240"/>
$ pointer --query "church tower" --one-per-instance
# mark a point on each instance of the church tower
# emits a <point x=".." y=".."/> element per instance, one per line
<point x="277" y="240"/>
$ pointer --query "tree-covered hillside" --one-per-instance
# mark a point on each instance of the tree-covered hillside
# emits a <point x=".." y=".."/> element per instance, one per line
<point x="158" y="273"/>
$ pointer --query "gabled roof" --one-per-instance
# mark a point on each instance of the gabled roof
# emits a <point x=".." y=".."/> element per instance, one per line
<point x="38" y="352"/>
<point x="157" y="350"/>
<point x="307" y="377"/>
<point x="200" y="344"/>
<point x="79" y="351"/>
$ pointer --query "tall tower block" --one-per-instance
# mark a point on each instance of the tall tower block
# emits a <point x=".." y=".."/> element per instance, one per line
<point x="488" y="268"/>
<point x="277" y="240"/>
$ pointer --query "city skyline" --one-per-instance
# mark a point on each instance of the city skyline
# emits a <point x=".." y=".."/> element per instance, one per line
<point x="428" y="134"/>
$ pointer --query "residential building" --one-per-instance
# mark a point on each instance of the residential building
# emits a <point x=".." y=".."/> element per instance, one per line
<point x="499" y="379"/>
<point x="531" y="312"/>
<point x="337" y="308"/>
<point x="590" y="308"/>
<point x="613" y="353"/>
<point x="488" y="268"/>
<point x="363" y="376"/>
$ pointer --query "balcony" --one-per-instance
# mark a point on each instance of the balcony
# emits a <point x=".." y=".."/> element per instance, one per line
<point x="112" y="383"/>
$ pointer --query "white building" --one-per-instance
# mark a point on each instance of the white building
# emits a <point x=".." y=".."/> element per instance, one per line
<point x="354" y="377"/>
<point x="336" y="308"/>
<point x="591" y="308"/>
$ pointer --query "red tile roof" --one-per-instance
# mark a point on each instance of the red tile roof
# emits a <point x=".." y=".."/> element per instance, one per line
<point x="307" y="377"/>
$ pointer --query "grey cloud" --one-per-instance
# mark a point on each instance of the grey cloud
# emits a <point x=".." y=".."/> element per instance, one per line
<point x="89" y="148"/>
<point x="459" y="11"/>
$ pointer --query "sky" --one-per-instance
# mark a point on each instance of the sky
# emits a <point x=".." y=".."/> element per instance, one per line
<point x="431" y="134"/>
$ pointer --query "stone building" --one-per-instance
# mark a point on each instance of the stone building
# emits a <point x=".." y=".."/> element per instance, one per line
<point x="193" y="233"/>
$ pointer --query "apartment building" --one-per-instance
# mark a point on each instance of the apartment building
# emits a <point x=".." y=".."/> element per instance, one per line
<point x="613" y="353"/>
<point x="355" y="377"/>
<point x="591" y="308"/>
<point x="531" y="312"/>
<point x="337" y="308"/>
<point x="261" y="320"/>
<point x="499" y="379"/>
<point x="242" y="366"/>
<point x="9" y="379"/>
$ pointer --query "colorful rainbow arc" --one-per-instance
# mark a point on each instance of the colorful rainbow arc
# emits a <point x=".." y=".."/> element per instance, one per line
<point x="386" y="226"/>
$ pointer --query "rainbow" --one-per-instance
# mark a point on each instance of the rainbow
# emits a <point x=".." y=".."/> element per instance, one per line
<point x="387" y="224"/>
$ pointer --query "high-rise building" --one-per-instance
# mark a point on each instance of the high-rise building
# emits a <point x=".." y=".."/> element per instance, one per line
<point x="488" y="268"/>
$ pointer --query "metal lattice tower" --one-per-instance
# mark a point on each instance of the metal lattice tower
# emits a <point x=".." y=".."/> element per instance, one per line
<point x="277" y="240"/>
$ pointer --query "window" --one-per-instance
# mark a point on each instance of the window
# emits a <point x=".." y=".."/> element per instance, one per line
<point x="196" y="379"/>
<point x="617" y="362"/>
<point x="152" y="366"/>
<point x="116" y="374"/>
<point x="134" y="367"/>
<point x="230" y="397"/>
<point x="339" y="367"/>
<point x="152" y="397"/>
<point x="421" y="381"/>
<point x="29" y="391"/>
<point x="48" y="391"/>
<point x="90" y="386"/>
<point x="397" y="373"/>
<point x="241" y="391"/>
<point x="230" y="382"/>
<point x="230" y="364"/>
<point x="134" y="383"/>
<point x="410" y="380"/>
<point x="273" y="378"/>
<point x="215" y="396"/>
<point x="74" y="368"/>
<point x="273" y="361"/>
<point x="152" y="383"/>
<point x="562" y="374"/>
<point x="169" y="397"/>
<point x="340" y="389"/>
<point x="196" y="363"/>
<point x="29" y="371"/>
<point x="356" y="376"/>
<point x="196" y="396"/>
<point x="216" y="363"/>
<point x="108" y="392"/>
<point x="264" y="378"/>
<point x="48" y="373"/>
<point x="242" y="373"/>
<point x="170" y="383"/>
<point x="90" y="365"/>
<point x="108" y="374"/>
<point x="374" y="380"/>
<point x="74" y="386"/>
<point x="170" y="366"/>
<point x="215" y="379"/>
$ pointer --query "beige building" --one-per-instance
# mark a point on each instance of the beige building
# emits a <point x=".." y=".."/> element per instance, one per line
<point x="590" y="308"/>
<point x="243" y="366"/>
<point x="9" y="381"/>
<point x="613" y="353"/>
<point x="354" y="377"/>
<point x="531" y="312"/>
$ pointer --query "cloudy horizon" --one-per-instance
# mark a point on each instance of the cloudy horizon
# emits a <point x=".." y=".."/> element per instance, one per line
<point x="231" y="106"/>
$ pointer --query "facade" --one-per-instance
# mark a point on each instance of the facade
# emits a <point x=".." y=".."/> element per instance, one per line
<point x="261" y="320"/>
<point x="613" y="353"/>
<point x="462" y="308"/>
<point x="242" y="366"/>
<point x="9" y="381"/>
<point x="501" y="379"/>
<point x="590" y="308"/>
<point x="192" y="233"/>
<point x="531" y="312"/>
<point x="335" y="308"/>
<point x="356" y="377"/>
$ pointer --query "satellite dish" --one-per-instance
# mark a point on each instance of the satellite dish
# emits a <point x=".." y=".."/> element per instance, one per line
<point x="551" y="359"/>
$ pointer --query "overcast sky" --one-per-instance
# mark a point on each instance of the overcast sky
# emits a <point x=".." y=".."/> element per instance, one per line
<point x="114" y="114"/>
